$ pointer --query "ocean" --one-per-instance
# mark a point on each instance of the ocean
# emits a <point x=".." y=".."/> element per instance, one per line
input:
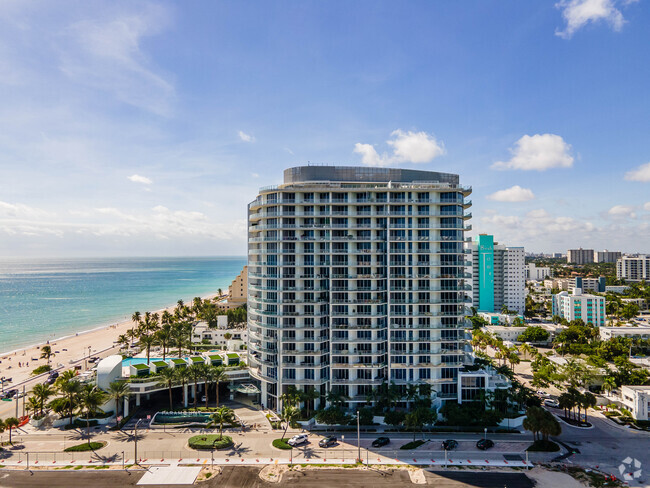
<point x="49" y="298"/>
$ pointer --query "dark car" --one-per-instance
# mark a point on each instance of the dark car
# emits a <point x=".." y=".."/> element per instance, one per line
<point x="49" y="381"/>
<point x="484" y="444"/>
<point x="54" y="374"/>
<point x="327" y="442"/>
<point x="380" y="442"/>
<point x="449" y="444"/>
<point x="10" y="393"/>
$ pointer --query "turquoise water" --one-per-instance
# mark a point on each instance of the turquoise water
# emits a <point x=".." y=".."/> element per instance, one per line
<point x="45" y="299"/>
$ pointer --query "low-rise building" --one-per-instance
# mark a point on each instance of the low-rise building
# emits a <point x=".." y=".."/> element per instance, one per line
<point x="499" y="318"/>
<point x="642" y="303"/>
<point x="631" y="332"/>
<point x="588" y="308"/>
<point x="616" y="289"/>
<point x="506" y="334"/>
<point x="637" y="400"/>
<point x="231" y="339"/>
<point x="471" y="383"/>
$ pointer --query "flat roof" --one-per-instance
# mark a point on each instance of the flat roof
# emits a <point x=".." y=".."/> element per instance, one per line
<point x="302" y="174"/>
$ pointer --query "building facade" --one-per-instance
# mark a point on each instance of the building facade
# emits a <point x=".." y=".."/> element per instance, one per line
<point x="580" y="256"/>
<point x="588" y="308"/>
<point x="538" y="273"/>
<point x="238" y="289"/>
<point x="633" y="268"/>
<point x="498" y="275"/>
<point x="356" y="279"/>
<point x="606" y="256"/>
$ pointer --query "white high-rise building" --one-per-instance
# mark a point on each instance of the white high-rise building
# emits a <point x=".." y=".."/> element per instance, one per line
<point x="574" y="306"/>
<point x="580" y="256"/>
<point x="633" y="268"/>
<point x="356" y="279"/>
<point x="538" y="273"/>
<point x="606" y="256"/>
<point x="498" y="275"/>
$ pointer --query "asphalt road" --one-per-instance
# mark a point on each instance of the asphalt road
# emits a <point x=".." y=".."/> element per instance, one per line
<point x="244" y="477"/>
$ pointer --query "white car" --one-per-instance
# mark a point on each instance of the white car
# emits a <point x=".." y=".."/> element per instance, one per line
<point x="543" y="394"/>
<point x="298" y="439"/>
<point x="552" y="403"/>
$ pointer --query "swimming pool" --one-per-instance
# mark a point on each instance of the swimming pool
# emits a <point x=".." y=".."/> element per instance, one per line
<point x="130" y="361"/>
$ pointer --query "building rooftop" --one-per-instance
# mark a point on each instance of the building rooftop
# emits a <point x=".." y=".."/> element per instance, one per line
<point x="301" y="174"/>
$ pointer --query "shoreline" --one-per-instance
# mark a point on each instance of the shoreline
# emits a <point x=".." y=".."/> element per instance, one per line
<point x="110" y="325"/>
<point x="69" y="349"/>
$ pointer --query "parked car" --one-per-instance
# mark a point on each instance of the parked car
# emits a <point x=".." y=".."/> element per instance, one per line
<point x="549" y="402"/>
<point x="49" y="381"/>
<point x="327" y="441"/>
<point x="449" y="444"/>
<point x="54" y="374"/>
<point x="543" y="394"/>
<point x="485" y="444"/>
<point x="10" y="393"/>
<point x="381" y="442"/>
<point x="298" y="439"/>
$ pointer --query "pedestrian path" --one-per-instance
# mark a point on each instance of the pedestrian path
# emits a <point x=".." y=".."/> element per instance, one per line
<point x="172" y="475"/>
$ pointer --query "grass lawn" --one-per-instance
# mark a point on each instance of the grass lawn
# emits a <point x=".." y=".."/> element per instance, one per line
<point x="412" y="445"/>
<point x="281" y="444"/>
<point x="93" y="446"/>
<point x="210" y="441"/>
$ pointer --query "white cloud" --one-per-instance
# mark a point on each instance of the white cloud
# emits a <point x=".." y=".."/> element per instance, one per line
<point x="408" y="147"/>
<point x="642" y="173"/>
<point x="621" y="211"/>
<point x="578" y="13"/>
<point x="21" y="211"/>
<point x="512" y="194"/>
<point x="646" y="206"/>
<point x="255" y="175"/>
<point x="140" y="179"/>
<point x="107" y="54"/>
<point x="538" y="153"/>
<point x="245" y="137"/>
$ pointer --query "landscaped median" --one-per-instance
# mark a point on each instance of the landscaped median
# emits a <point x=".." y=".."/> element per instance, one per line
<point x="412" y="445"/>
<point x="93" y="446"/>
<point x="281" y="444"/>
<point x="209" y="442"/>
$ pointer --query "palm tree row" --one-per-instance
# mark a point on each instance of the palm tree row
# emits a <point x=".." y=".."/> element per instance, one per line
<point x="196" y="373"/>
<point x="169" y="329"/>
<point x="69" y="396"/>
<point x="482" y="340"/>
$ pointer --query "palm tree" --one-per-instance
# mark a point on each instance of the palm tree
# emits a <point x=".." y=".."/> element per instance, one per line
<point x="46" y="353"/>
<point x="3" y="426"/>
<point x="609" y="384"/>
<point x="195" y="373"/>
<point x="10" y="424"/>
<point x="182" y="375"/>
<point x="90" y="399"/>
<point x="123" y="341"/>
<point x="33" y="404"/>
<point x="167" y="378"/>
<point x="118" y="390"/>
<point x="218" y="375"/>
<point x="220" y="292"/>
<point x="136" y="318"/>
<point x="164" y="337"/>
<point x="336" y="399"/>
<point x="70" y="389"/>
<point x="209" y="376"/>
<point x="513" y="359"/>
<point x="221" y="416"/>
<point x="147" y="340"/>
<point x="587" y="401"/>
<point x="41" y="393"/>
<point x="308" y="396"/>
<point x="289" y="414"/>
<point x="179" y="336"/>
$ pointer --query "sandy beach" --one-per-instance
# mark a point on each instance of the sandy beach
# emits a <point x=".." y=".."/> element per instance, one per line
<point x="68" y="351"/>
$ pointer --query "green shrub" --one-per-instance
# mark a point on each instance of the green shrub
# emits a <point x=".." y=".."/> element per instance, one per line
<point x="543" y="446"/>
<point x="42" y="369"/>
<point x="210" y="441"/>
<point x="412" y="445"/>
<point x="281" y="444"/>
<point x="80" y="424"/>
<point x="93" y="446"/>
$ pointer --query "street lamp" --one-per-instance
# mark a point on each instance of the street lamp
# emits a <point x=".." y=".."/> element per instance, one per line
<point x="135" y="439"/>
<point x="358" y="438"/>
<point x="485" y="433"/>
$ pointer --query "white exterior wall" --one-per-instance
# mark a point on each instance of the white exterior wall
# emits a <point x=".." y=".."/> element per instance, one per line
<point x="629" y="332"/>
<point x="514" y="279"/>
<point x="637" y="400"/>
<point x="633" y="268"/>
<point x="565" y="306"/>
<point x="535" y="273"/>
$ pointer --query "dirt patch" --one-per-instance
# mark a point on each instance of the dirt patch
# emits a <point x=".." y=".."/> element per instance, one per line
<point x="417" y="476"/>
<point x="273" y="472"/>
<point x="552" y="479"/>
<point x="209" y="472"/>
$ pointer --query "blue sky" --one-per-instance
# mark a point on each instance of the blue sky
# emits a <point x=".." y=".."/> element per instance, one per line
<point x="144" y="128"/>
